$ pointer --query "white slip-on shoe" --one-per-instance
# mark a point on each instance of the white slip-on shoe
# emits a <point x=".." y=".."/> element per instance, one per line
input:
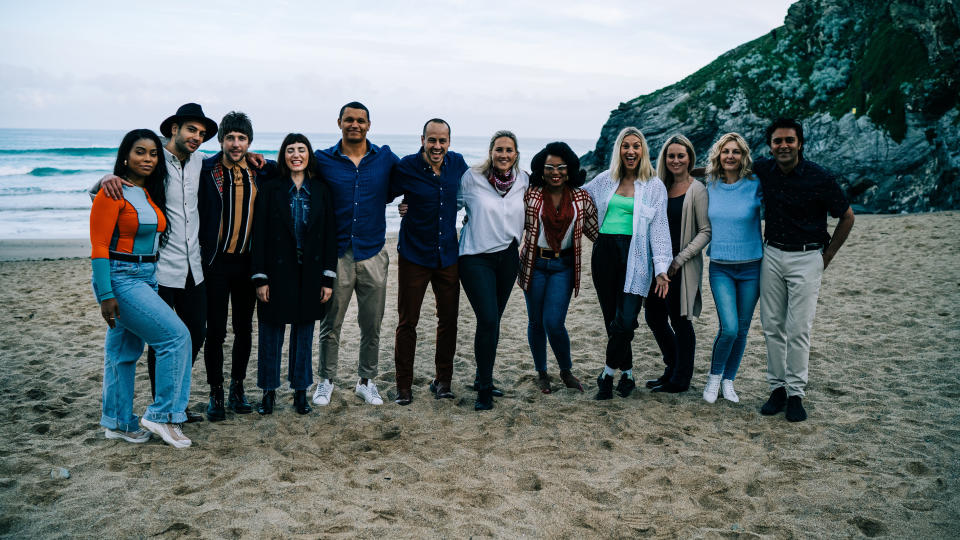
<point x="712" y="388"/>
<point x="139" y="436"/>
<point x="321" y="396"/>
<point x="726" y="388"/>
<point x="369" y="392"/>
<point x="170" y="433"/>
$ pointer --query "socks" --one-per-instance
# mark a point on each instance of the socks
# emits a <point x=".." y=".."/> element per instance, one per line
<point x="629" y="374"/>
<point x="607" y="370"/>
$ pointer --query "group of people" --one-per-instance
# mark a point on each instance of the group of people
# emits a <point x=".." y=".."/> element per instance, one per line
<point x="177" y="239"/>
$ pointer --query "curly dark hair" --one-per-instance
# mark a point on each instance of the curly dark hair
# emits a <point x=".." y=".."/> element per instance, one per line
<point x="576" y="175"/>
<point x="156" y="183"/>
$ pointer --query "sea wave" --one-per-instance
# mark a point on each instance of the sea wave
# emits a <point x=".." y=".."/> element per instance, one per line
<point x="43" y="171"/>
<point x="30" y="190"/>
<point x="94" y="151"/>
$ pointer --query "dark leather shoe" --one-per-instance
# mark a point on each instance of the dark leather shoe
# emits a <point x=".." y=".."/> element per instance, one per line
<point x="441" y="390"/>
<point x="625" y="386"/>
<point x="776" y="403"/>
<point x="669" y="388"/>
<point x="192" y="417"/>
<point x="543" y="382"/>
<point x="300" y="402"/>
<point x="237" y="402"/>
<point x="266" y="404"/>
<point x="484" y="400"/>
<point x="405" y="397"/>
<point x="215" y="410"/>
<point x="569" y="380"/>
<point x="495" y="392"/>
<point x="655" y="382"/>
<point x="795" y="410"/>
<point x="604" y="387"/>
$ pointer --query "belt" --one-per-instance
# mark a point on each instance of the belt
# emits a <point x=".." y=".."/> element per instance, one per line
<point x="127" y="257"/>
<point x="816" y="246"/>
<point x="544" y="253"/>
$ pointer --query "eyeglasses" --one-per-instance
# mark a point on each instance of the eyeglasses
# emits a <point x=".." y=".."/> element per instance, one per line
<point x="558" y="168"/>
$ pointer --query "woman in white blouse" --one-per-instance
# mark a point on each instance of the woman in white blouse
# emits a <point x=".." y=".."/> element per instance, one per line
<point x="632" y="251"/>
<point x="489" y="261"/>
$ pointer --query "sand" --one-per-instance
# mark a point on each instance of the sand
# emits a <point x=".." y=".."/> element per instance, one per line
<point x="877" y="457"/>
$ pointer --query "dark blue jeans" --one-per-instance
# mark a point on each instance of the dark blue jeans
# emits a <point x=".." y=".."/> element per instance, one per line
<point x="620" y="309"/>
<point x="270" y="343"/>
<point x="548" y="297"/>
<point x="488" y="279"/>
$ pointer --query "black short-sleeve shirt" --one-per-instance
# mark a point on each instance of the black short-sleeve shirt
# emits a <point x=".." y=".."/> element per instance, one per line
<point x="796" y="204"/>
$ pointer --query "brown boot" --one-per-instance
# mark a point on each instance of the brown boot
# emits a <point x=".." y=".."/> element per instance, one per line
<point x="569" y="380"/>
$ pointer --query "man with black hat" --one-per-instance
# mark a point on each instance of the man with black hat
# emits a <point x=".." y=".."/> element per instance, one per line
<point x="179" y="271"/>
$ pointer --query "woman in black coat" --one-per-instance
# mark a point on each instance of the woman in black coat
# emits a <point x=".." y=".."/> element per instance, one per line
<point x="294" y="266"/>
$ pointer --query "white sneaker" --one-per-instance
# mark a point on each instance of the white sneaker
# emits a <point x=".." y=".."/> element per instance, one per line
<point x="139" y="436"/>
<point x="369" y="393"/>
<point x="712" y="388"/>
<point x="321" y="396"/>
<point x="726" y="386"/>
<point x="170" y="433"/>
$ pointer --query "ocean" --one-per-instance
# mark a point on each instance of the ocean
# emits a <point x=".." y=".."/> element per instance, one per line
<point x="45" y="173"/>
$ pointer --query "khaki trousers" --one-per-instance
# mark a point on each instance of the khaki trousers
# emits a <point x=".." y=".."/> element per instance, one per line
<point x="789" y="287"/>
<point x="369" y="279"/>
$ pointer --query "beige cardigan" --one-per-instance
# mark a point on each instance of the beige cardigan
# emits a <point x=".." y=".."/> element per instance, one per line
<point x="694" y="236"/>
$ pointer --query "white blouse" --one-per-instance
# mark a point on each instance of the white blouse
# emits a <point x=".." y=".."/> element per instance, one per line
<point x="493" y="222"/>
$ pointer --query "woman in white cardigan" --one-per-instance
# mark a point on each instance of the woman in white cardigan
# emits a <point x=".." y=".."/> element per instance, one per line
<point x="631" y="253"/>
<point x="489" y="261"/>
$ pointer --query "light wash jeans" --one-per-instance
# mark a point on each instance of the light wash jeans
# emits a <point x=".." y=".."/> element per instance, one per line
<point x="548" y="298"/>
<point x="143" y="318"/>
<point x="736" y="288"/>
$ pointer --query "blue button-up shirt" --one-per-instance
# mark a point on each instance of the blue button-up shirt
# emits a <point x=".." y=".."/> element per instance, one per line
<point x="428" y="233"/>
<point x="299" y="211"/>
<point x="359" y="197"/>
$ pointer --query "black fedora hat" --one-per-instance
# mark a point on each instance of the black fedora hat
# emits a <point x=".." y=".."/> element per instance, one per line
<point x="189" y="111"/>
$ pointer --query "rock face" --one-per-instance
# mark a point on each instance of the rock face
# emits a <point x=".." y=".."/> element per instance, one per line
<point x="876" y="86"/>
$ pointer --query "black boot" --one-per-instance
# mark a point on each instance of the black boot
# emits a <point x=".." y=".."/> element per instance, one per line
<point x="484" y="400"/>
<point x="625" y="386"/>
<point x="300" y="402"/>
<point x="266" y="404"/>
<point x="776" y="403"/>
<point x="604" y="387"/>
<point x="215" y="412"/>
<point x="237" y="402"/>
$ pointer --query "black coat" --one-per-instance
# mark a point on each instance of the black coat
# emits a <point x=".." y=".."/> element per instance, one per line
<point x="295" y="289"/>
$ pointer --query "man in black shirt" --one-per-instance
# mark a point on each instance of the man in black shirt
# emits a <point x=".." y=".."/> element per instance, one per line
<point x="797" y="196"/>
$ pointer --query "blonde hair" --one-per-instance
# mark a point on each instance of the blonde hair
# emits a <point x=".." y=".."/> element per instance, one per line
<point x="484" y="168"/>
<point x="644" y="170"/>
<point x="662" y="171"/>
<point x="715" y="169"/>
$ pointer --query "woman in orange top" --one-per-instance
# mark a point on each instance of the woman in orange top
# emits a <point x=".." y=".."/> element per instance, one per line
<point x="126" y="235"/>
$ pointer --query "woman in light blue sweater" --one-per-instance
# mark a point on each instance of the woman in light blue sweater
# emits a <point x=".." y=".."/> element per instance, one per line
<point x="735" y="251"/>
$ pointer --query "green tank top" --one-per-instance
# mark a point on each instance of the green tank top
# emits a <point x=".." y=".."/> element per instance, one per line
<point x="619" y="217"/>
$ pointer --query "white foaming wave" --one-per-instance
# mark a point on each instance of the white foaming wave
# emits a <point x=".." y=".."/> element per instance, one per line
<point x="14" y="170"/>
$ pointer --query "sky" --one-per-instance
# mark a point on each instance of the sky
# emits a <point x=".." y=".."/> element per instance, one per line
<point x="543" y="69"/>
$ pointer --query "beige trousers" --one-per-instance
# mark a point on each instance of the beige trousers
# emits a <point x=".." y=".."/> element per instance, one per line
<point x="369" y="279"/>
<point x="789" y="287"/>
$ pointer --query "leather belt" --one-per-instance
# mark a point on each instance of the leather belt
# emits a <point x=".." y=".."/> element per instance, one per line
<point x="816" y="246"/>
<point x="544" y="253"/>
<point x="127" y="257"/>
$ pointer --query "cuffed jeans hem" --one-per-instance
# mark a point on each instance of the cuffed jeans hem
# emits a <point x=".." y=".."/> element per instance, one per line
<point x="166" y="418"/>
<point x="114" y="424"/>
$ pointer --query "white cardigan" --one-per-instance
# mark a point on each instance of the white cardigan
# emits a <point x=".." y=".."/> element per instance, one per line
<point x="650" y="249"/>
<point x="493" y="222"/>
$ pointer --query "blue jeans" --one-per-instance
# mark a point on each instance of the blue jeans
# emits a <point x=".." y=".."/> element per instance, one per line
<point x="300" y="369"/>
<point x="548" y="297"/>
<point x="143" y="317"/>
<point x="736" y="288"/>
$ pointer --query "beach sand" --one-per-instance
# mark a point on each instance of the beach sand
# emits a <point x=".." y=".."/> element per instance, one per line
<point x="877" y="457"/>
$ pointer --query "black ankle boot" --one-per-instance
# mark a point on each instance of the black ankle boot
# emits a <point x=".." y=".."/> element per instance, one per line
<point x="604" y="387"/>
<point x="215" y="411"/>
<point x="300" y="402"/>
<point x="266" y="404"/>
<point x="237" y="402"/>
<point x="484" y="400"/>
<point x="625" y="386"/>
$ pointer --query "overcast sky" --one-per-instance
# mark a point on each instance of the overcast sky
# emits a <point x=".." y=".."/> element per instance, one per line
<point x="545" y="69"/>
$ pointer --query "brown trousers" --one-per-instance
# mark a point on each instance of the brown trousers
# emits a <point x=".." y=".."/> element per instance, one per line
<point x="412" y="285"/>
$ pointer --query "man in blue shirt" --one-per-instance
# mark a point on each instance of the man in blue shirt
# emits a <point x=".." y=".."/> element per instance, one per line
<point x="429" y="181"/>
<point x="358" y="175"/>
